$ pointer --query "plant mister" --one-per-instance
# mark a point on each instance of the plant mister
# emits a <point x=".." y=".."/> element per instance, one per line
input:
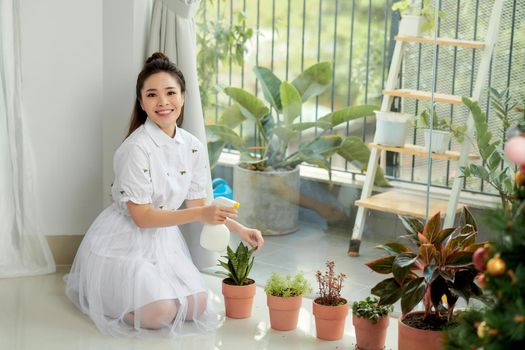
<point x="217" y="237"/>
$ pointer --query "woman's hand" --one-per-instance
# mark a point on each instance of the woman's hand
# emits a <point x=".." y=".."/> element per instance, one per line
<point x="217" y="214"/>
<point x="252" y="236"/>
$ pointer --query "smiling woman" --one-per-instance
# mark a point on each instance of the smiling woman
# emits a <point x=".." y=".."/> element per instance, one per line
<point x="133" y="273"/>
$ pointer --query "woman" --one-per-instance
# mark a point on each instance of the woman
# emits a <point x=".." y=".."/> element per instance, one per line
<point x="133" y="271"/>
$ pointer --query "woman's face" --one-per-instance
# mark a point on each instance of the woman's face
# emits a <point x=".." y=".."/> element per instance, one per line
<point x="162" y="100"/>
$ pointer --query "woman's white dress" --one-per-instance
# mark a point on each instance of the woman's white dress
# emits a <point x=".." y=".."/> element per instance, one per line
<point x="120" y="267"/>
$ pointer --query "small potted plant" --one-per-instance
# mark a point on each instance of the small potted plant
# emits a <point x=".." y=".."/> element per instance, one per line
<point x="370" y="322"/>
<point x="442" y="130"/>
<point x="391" y="128"/>
<point x="330" y="309"/>
<point x="284" y="297"/>
<point x="416" y="17"/>
<point x="437" y="273"/>
<point x="237" y="288"/>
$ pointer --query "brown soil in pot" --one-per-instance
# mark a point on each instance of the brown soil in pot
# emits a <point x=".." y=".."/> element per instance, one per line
<point x="432" y="323"/>
<point x="247" y="282"/>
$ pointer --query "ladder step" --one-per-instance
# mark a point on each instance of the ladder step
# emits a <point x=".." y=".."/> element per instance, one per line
<point x="425" y="95"/>
<point x="420" y="151"/>
<point x="443" y="41"/>
<point x="401" y="203"/>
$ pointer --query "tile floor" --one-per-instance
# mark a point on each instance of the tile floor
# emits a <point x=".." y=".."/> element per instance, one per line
<point x="35" y="314"/>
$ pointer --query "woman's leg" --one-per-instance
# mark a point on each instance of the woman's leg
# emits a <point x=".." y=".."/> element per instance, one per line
<point x="196" y="305"/>
<point x="155" y="315"/>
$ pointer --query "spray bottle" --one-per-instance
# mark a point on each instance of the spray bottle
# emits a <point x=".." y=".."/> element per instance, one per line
<point x="217" y="237"/>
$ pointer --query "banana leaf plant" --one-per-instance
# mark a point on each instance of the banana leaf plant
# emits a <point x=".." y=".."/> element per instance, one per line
<point x="278" y="123"/>
<point x="438" y="272"/>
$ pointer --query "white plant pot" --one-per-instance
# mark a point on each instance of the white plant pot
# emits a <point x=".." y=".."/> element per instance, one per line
<point x="440" y="140"/>
<point x="391" y="128"/>
<point x="410" y="25"/>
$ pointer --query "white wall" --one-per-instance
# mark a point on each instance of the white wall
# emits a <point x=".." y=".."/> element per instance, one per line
<point x="79" y="65"/>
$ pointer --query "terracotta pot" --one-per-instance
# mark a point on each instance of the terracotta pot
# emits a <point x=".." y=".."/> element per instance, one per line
<point x="284" y="312"/>
<point x="370" y="336"/>
<point x="410" y="338"/>
<point x="238" y="300"/>
<point x="330" y="320"/>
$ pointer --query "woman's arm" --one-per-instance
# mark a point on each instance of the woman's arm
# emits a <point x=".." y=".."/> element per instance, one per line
<point x="145" y="216"/>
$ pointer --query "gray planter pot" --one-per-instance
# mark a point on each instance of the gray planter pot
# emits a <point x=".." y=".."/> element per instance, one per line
<point x="269" y="200"/>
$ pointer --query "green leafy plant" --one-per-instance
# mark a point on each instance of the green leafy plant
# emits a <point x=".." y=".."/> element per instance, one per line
<point x="414" y="8"/>
<point x="330" y="286"/>
<point x="442" y="124"/>
<point x="218" y="41"/>
<point x="238" y="264"/>
<point x="370" y="309"/>
<point x="438" y="272"/>
<point x="278" y="124"/>
<point x="286" y="286"/>
<point x="495" y="169"/>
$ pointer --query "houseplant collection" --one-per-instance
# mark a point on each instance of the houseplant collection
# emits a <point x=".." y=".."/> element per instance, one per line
<point x="330" y="309"/>
<point x="370" y="322"/>
<point x="237" y="288"/>
<point x="284" y="297"/>
<point x="437" y="273"/>
<point x="268" y="166"/>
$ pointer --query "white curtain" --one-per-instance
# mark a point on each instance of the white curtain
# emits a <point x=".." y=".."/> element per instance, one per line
<point x="23" y="249"/>
<point x="172" y="31"/>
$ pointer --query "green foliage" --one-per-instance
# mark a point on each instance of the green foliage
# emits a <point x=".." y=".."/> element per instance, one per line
<point x="442" y="124"/>
<point x="495" y="171"/>
<point x="286" y="286"/>
<point x="218" y="41"/>
<point x="278" y="124"/>
<point x="238" y="264"/>
<point x="370" y="309"/>
<point x="441" y="266"/>
<point x="416" y="8"/>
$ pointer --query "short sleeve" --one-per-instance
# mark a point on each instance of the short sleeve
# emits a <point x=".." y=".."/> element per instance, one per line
<point x="132" y="175"/>
<point x="200" y="172"/>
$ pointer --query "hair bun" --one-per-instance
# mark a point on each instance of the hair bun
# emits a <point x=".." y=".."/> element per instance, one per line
<point x="157" y="56"/>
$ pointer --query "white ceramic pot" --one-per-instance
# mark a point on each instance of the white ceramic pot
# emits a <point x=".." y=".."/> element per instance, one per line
<point x="410" y="25"/>
<point x="440" y="140"/>
<point x="391" y="128"/>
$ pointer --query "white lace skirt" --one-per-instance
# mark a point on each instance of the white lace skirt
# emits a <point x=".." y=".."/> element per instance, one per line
<point x="120" y="267"/>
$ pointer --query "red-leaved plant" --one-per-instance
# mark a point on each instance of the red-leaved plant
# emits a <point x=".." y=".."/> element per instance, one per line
<point x="330" y="286"/>
<point x="440" y="267"/>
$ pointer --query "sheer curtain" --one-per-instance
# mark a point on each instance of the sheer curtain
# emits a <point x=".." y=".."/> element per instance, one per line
<point x="23" y="249"/>
<point x="172" y="31"/>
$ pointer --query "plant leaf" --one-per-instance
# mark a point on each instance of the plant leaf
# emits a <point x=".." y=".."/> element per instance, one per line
<point x="232" y="116"/>
<point x="348" y="114"/>
<point x="291" y="102"/>
<point x="270" y="86"/>
<point x="412" y="294"/>
<point x="382" y="265"/>
<point x="214" y="152"/>
<point x="388" y="291"/>
<point x="250" y="105"/>
<point x="215" y="133"/>
<point x="314" y="80"/>
<point x="394" y="248"/>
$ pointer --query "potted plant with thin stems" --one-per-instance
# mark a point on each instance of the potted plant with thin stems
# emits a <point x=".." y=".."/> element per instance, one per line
<point x="437" y="273"/>
<point x="267" y="164"/>
<point x="284" y="298"/>
<point x="440" y="129"/>
<point x="330" y="309"/>
<point x="237" y="288"/>
<point x="417" y="17"/>
<point x="370" y="321"/>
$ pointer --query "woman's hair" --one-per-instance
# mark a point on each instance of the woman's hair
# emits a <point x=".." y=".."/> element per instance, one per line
<point x="158" y="62"/>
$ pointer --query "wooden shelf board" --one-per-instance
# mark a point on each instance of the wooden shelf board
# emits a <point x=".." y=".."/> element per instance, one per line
<point x="401" y="203"/>
<point x="425" y="95"/>
<point x="420" y="151"/>
<point x="443" y="41"/>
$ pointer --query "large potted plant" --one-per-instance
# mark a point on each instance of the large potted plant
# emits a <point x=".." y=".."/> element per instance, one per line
<point x="284" y="297"/>
<point x="417" y="17"/>
<point x="437" y="273"/>
<point x="237" y="288"/>
<point x="330" y="309"/>
<point x="370" y="321"/>
<point x="268" y="167"/>
<point x="440" y="129"/>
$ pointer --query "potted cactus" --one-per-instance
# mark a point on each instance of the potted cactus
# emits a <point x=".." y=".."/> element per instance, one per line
<point x="237" y="288"/>
<point x="269" y="161"/>
<point x="330" y="309"/>
<point x="370" y="321"/>
<point x="284" y="297"/>
<point x="437" y="273"/>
